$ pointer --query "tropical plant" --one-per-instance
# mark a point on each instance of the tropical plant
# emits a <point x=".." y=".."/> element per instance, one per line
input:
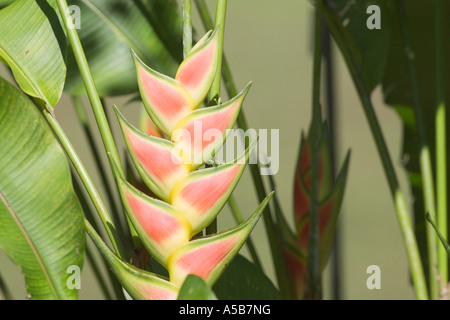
<point x="160" y="236"/>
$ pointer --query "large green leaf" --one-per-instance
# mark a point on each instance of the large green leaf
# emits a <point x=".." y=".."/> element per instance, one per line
<point x="195" y="288"/>
<point x="32" y="43"/>
<point x="367" y="47"/>
<point x="41" y="222"/>
<point x="243" y="280"/>
<point x="109" y="28"/>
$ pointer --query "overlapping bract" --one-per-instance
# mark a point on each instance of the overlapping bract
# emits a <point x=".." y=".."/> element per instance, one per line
<point x="181" y="138"/>
<point x="330" y="198"/>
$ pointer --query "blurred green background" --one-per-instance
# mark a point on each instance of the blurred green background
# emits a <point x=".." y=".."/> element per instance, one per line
<point x="271" y="45"/>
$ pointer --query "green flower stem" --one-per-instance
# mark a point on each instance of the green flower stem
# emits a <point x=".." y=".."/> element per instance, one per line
<point x="313" y="258"/>
<point x="89" y="84"/>
<point x="403" y="215"/>
<point x="425" y="158"/>
<point x="86" y="180"/>
<point x="187" y="27"/>
<point x="441" y="146"/>
<point x="214" y="93"/>
<point x="239" y="219"/>
<point x="221" y="10"/>
<point x="281" y="270"/>
<point x="82" y="117"/>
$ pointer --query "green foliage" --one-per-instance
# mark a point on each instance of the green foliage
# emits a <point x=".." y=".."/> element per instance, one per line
<point x="109" y="28"/>
<point x="33" y="44"/>
<point x="41" y="221"/>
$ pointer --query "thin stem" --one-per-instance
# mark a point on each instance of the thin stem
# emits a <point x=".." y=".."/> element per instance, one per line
<point x="214" y="93"/>
<point x="89" y="84"/>
<point x="313" y="258"/>
<point x="403" y="215"/>
<point x="425" y="158"/>
<point x="221" y="10"/>
<point x="441" y="147"/>
<point x="333" y="137"/>
<point x="4" y="289"/>
<point x="281" y="270"/>
<point x="86" y="180"/>
<point x="82" y="117"/>
<point x="239" y="219"/>
<point x="187" y="27"/>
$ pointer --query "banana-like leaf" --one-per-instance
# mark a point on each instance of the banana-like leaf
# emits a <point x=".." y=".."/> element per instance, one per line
<point x="33" y="45"/>
<point x="194" y="288"/>
<point x="368" y="47"/>
<point x="41" y="220"/>
<point x="207" y="257"/>
<point x="109" y="28"/>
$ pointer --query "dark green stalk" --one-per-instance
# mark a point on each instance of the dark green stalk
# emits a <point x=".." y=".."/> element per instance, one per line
<point x="331" y="112"/>
<point x="239" y="219"/>
<point x="281" y="270"/>
<point x="403" y="215"/>
<point x="441" y="237"/>
<point x="221" y="10"/>
<point x="313" y="258"/>
<point x="5" y="289"/>
<point x="214" y="93"/>
<point x="425" y="158"/>
<point x="187" y="27"/>
<point x="441" y="147"/>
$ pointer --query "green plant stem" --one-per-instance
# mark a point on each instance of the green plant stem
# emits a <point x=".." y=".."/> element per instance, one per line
<point x="239" y="219"/>
<point x="82" y="117"/>
<point x="425" y="158"/>
<point x="313" y="258"/>
<point x="275" y="243"/>
<point x="441" y="148"/>
<point x="89" y="186"/>
<point x="187" y="27"/>
<point x="89" y="84"/>
<point x="221" y="10"/>
<point x="403" y="215"/>
<point x="214" y="93"/>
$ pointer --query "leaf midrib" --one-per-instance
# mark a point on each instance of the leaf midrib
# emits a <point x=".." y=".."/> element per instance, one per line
<point x="30" y="243"/>
<point x="30" y="81"/>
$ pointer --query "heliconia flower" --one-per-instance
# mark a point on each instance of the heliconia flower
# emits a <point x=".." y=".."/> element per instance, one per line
<point x="330" y="198"/>
<point x="207" y="257"/>
<point x="203" y="193"/>
<point x="204" y="131"/>
<point x="147" y="125"/>
<point x="156" y="159"/>
<point x="168" y="151"/>
<point x="169" y="100"/>
<point x="161" y="228"/>
<point x="138" y="283"/>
